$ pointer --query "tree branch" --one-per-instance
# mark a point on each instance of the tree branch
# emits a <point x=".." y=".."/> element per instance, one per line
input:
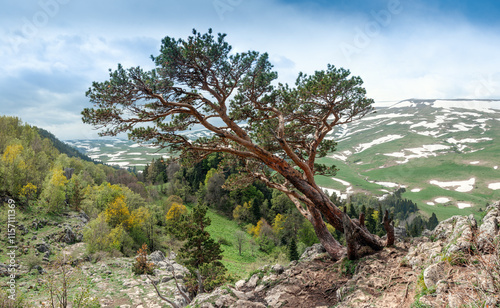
<point x="171" y="303"/>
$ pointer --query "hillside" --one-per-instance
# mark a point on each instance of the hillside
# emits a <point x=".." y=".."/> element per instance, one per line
<point x="443" y="151"/>
<point x="457" y="265"/>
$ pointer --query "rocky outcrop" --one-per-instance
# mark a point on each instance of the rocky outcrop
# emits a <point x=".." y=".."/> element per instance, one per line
<point x="489" y="229"/>
<point x="316" y="251"/>
<point x="156" y="257"/>
<point x="448" y="262"/>
<point x="68" y="236"/>
<point x="43" y="247"/>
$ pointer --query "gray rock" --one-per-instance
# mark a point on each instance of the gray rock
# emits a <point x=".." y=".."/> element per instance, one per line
<point x="39" y="269"/>
<point x="312" y="252"/>
<point x="454" y="301"/>
<point x="156" y="256"/>
<point x="252" y="282"/>
<point x="489" y="228"/>
<point x="442" y="286"/>
<point x="69" y="236"/>
<point x="225" y="301"/>
<point x="278" y="269"/>
<point x="240" y="284"/>
<point x="83" y="217"/>
<point x="433" y="274"/>
<point x="172" y="256"/>
<point x="43" y="247"/>
<point x="458" y="230"/>
<point x="79" y="237"/>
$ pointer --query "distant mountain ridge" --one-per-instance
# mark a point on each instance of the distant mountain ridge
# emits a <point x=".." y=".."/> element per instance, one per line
<point x="476" y="104"/>
<point x="61" y="146"/>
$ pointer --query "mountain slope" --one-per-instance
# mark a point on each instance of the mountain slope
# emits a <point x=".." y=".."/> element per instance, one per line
<point x="445" y="152"/>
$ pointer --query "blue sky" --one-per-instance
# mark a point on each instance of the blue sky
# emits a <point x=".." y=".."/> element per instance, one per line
<point x="51" y="50"/>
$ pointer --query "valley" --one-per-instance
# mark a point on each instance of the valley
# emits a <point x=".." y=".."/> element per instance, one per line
<point x="445" y="153"/>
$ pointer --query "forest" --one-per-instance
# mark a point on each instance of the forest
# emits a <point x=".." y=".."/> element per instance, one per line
<point x="165" y="206"/>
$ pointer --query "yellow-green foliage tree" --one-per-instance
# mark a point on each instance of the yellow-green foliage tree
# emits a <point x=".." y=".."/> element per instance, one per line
<point x="99" y="236"/>
<point x="176" y="212"/>
<point x="28" y="192"/>
<point x="96" y="235"/>
<point x="13" y="169"/>
<point x="53" y="193"/>
<point x="279" y="224"/>
<point x="243" y="213"/>
<point x="255" y="230"/>
<point x="263" y="234"/>
<point x="117" y="212"/>
<point x="98" y="197"/>
<point x="209" y="175"/>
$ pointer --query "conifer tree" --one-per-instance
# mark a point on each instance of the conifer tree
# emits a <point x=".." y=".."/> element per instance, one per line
<point x="200" y="253"/>
<point x="433" y="222"/>
<point x="293" y="254"/>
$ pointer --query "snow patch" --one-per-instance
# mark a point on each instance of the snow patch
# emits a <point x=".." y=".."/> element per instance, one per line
<point x="416" y="189"/>
<point x="424" y="151"/>
<point x="330" y="191"/>
<point x="442" y="200"/>
<point x="383" y="116"/>
<point x="494" y="186"/>
<point x="461" y="186"/>
<point x="467" y="140"/>
<point x="463" y="205"/>
<point x="483" y="106"/>
<point x="360" y="148"/>
<point x="342" y="181"/>
<point x="431" y="203"/>
<point x="474" y="162"/>
<point x="389" y="184"/>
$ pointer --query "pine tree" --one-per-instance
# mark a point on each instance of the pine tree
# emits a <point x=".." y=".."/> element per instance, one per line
<point x="199" y="248"/>
<point x="352" y="211"/>
<point x="433" y="222"/>
<point x="293" y="254"/>
<point x="200" y="253"/>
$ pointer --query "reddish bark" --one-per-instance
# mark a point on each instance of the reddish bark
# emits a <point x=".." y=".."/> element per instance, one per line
<point x="389" y="229"/>
<point x="331" y="245"/>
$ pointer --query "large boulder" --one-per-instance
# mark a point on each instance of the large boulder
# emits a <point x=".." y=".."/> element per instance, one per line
<point x="313" y="252"/>
<point x="43" y="247"/>
<point x="68" y="236"/>
<point x="433" y="274"/>
<point x="156" y="256"/>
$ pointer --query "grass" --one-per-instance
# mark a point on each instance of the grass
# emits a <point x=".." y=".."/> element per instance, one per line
<point x="222" y="228"/>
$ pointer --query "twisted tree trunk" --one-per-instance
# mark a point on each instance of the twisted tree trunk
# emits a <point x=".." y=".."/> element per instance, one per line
<point x="331" y="245"/>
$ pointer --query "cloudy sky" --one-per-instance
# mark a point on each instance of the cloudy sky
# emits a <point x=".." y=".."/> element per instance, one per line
<point x="51" y="50"/>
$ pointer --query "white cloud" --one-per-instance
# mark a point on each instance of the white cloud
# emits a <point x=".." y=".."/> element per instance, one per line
<point x="416" y="51"/>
